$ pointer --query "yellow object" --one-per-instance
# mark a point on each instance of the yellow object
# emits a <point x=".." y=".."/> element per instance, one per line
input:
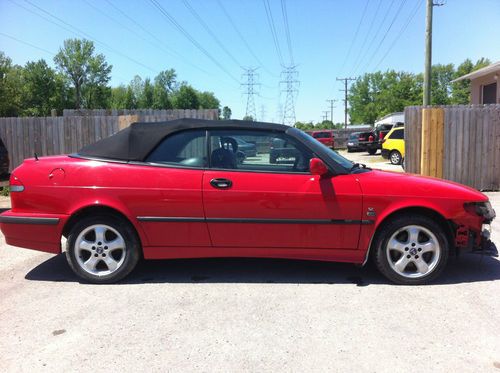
<point x="393" y="145"/>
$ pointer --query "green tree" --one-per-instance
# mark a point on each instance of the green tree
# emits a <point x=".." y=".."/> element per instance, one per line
<point x="460" y="91"/>
<point x="118" y="97"/>
<point x="164" y="85"/>
<point x="39" y="88"/>
<point x="186" y="98"/>
<point x="147" y="95"/>
<point x="10" y="87"/>
<point x="130" y="101"/>
<point x="226" y="113"/>
<point x="208" y="100"/>
<point x="248" y="117"/>
<point x="88" y="72"/>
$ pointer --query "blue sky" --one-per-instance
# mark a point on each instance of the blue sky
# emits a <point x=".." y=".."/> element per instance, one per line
<point x="323" y="40"/>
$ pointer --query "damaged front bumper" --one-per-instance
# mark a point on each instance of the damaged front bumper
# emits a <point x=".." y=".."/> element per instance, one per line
<point x="479" y="243"/>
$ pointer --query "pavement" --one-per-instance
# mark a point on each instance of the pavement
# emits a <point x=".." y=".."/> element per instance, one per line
<point x="247" y="315"/>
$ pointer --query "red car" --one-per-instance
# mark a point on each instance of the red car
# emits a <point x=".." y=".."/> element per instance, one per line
<point x="325" y="137"/>
<point x="177" y="190"/>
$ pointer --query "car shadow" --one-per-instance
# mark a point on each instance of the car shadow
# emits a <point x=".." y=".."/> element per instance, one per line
<point x="467" y="268"/>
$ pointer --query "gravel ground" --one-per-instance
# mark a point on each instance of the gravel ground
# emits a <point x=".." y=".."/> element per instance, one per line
<point x="247" y="315"/>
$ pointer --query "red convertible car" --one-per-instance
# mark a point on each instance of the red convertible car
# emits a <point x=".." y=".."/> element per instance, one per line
<point x="177" y="190"/>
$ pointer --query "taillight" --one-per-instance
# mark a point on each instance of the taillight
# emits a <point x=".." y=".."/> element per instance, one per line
<point x="15" y="184"/>
<point x="370" y="139"/>
<point x="380" y="136"/>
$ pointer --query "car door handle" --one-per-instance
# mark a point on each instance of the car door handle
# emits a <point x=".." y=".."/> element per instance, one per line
<point x="221" y="183"/>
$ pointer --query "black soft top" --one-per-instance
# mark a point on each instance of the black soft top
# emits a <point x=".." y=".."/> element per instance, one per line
<point x="135" y="142"/>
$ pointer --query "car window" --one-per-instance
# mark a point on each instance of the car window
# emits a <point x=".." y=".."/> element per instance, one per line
<point x="398" y="134"/>
<point x="187" y="148"/>
<point x="247" y="150"/>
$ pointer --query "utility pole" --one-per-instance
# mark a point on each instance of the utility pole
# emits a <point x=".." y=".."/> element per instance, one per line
<point x="331" y="101"/>
<point x="346" y="80"/>
<point x="251" y="81"/>
<point x="289" y="79"/>
<point x="428" y="50"/>
<point x="325" y="114"/>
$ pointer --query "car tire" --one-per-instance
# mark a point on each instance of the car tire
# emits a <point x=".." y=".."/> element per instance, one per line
<point x="102" y="249"/>
<point x="411" y="250"/>
<point x="395" y="157"/>
<point x="349" y="150"/>
<point x="372" y="151"/>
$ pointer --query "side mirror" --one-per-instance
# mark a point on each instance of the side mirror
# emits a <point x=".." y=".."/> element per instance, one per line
<point x="317" y="167"/>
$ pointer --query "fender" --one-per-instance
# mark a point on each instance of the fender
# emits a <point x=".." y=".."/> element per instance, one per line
<point x="111" y="203"/>
<point x="398" y="205"/>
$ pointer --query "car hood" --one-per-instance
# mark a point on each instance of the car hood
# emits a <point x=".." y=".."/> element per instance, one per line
<point x="405" y="184"/>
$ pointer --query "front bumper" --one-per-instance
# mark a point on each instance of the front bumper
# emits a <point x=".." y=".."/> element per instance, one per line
<point x="33" y="231"/>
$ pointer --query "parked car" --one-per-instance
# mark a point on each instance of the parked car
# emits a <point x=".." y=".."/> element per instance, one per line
<point x="373" y="141"/>
<point x="168" y="190"/>
<point x="353" y="142"/>
<point x="281" y="151"/>
<point x="325" y="137"/>
<point x="393" y="145"/>
<point x="250" y="149"/>
<point x="4" y="163"/>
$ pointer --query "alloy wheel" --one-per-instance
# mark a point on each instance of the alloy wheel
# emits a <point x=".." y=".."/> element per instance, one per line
<point x="100" y="250"/>
<point x="413" y="251"/>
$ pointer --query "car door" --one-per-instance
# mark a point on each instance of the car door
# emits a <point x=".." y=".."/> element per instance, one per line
<point x="271" y="200"/>
<point x="168" y="204"/>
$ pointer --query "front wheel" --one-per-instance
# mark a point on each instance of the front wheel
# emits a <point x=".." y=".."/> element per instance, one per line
<point x="395" y="157"/>
<point x="102" y="249"/>
<point x="411" y="250"/>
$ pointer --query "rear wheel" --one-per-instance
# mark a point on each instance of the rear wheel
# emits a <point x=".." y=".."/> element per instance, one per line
<point x="411" y="250"/>
<point x="395" y="157"/>
<point x="372" y="151"/>
<point x="102" y="249"/>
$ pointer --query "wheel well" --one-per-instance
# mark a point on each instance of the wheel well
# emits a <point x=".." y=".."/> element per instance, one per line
<point x="422" y="211"/>
<point x="93" y="210"/>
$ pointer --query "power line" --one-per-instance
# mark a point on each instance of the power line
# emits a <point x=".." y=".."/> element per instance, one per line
<point x="345" y="80"/>
<point x="26" y="43"/>
<point x="190" y="38"/>
<point x="251" y="81"/>
<point x="80" y="32"/>
<point x="228" y="16"/>
<point x="367" y="34"/>
<point x="287" y="30"/>
<point x="289" y="79"/>
<point x="375" y="35"/>
<point x="355" y="35"/>
<point x="386" y="33"/>
<point x="159" y="42"/>
<point x="401" y="32"/>
<point x="207" y="29"/>
<point x="270" y="21"/>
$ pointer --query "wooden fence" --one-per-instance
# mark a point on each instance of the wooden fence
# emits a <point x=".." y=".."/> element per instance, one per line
<point x="26" y="136"/>
<point x="458" y="143"/>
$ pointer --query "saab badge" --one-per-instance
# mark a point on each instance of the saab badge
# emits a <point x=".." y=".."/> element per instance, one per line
<point x="371" y="212"/>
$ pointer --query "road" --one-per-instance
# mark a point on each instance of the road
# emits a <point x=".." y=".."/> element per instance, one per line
<point x="247" y="315"/>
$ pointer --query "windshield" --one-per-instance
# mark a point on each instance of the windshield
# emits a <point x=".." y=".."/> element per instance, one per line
<point x="345" y="163"/>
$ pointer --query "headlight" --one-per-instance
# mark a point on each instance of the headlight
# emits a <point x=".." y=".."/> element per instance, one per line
<point x="483" y="209"/>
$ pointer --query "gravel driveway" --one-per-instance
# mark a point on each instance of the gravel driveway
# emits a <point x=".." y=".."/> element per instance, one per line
<point x="247" y="315"/>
